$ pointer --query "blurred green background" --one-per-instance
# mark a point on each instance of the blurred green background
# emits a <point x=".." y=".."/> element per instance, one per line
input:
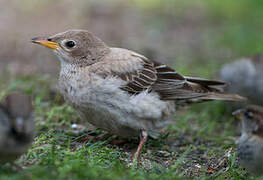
<point x="195" y="36"/>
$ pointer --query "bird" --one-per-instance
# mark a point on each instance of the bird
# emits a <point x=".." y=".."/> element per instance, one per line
<point x="16" y="126"/>
<point x="119" y="90"/>
<point x="246" y="77"/>
<point x="250" y="145"/>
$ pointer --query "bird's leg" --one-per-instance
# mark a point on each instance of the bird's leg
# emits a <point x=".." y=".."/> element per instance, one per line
<point x="143" y="139"/>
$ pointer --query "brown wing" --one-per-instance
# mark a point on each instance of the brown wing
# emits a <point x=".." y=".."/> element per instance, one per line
<point x="140" y="80"/>
<point x="169" y="84"/>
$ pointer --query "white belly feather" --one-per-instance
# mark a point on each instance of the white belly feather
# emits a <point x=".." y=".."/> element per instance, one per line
<point x="103" y="104"/>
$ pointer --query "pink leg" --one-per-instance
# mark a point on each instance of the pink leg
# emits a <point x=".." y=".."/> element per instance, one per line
<point x="143" y="139"/>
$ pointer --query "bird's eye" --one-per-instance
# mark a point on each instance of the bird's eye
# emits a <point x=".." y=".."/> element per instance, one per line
<point x="70" y="44"/>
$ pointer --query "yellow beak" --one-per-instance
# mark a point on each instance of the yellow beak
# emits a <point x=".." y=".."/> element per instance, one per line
<point x="44" y="42"/>
<point x="238" y="114"/>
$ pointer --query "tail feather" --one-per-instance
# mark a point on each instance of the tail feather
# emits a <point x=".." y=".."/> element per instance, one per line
<point x="210" y="92"/>
<point x="210" y="97"/>
<point x="172" y="86"/>
<point x="221" y="96"/>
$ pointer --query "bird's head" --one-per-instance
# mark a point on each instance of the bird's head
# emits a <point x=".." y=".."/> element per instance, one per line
<point x="251" y="120"/>
<point x="75" y="46"/>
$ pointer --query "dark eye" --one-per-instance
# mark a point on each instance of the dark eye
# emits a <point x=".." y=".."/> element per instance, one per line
<point x="70" y="44"/>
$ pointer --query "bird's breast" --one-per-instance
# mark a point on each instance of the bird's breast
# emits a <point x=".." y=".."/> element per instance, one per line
<point x="105" y="105"/>
<point x="250" y="151"/>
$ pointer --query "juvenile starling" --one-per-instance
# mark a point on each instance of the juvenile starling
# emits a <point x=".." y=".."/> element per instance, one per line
<point x="119" y="90"/>
<point x="16" y="126"/>
<point x="250" y="146"/>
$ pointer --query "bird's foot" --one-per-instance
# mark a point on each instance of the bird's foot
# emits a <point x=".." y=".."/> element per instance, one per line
<point x="143" y="139"/>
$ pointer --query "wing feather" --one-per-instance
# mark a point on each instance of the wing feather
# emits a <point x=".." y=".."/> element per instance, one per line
<point x="169" y="84"/>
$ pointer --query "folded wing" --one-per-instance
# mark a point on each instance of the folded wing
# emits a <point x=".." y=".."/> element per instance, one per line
<point x="170" y="85"/>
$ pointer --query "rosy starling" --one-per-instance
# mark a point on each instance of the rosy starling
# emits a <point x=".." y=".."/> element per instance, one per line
<point x="119" y="90"/>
